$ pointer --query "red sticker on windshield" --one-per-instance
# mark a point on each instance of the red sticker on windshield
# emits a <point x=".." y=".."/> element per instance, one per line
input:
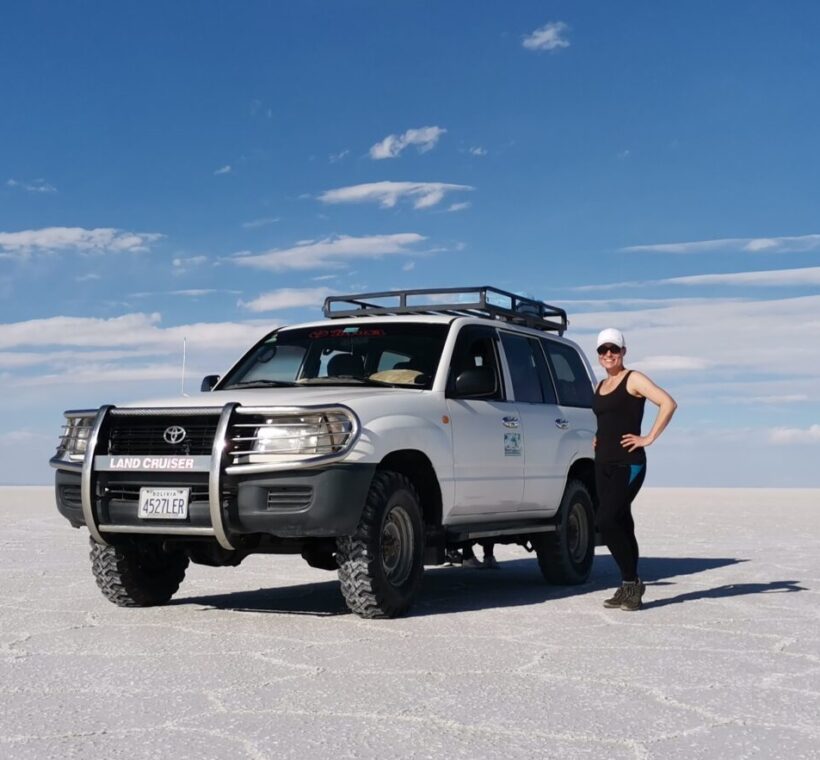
<point x="347" y="332"/>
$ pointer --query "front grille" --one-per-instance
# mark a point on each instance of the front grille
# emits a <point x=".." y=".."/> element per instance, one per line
<point x="289" y="497"/>
<point x="144" y="435"/>
<point x="132" y="493"/>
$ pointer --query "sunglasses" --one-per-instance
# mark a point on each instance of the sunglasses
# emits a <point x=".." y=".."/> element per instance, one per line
<point x="609" y="348"/>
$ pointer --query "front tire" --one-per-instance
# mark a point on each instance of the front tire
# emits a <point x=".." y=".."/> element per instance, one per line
<point x="565" y="556"/>
<point x="137" y="576"/>
<point x="381" y="564"/>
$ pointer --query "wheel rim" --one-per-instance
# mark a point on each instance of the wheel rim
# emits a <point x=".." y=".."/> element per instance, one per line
<point x="578" y="533"/>
<point x="397" y="546"/>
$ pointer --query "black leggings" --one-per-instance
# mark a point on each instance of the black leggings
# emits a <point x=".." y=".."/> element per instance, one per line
<point x="617" y="486"/>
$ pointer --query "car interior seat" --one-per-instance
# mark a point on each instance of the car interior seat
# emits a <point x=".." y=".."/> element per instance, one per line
<point x="345" y="365"/>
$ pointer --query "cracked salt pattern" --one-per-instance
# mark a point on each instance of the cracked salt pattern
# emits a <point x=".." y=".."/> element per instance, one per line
<point x="263" y="661"/>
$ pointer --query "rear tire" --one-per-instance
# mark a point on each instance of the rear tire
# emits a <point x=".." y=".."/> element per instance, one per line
<point x="566" y="555"/>
<point x="137" y="576"/>
<point x="381" y="564"/>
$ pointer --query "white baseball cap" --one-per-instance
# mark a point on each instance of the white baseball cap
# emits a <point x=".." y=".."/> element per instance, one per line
<point x="611" y="335"/>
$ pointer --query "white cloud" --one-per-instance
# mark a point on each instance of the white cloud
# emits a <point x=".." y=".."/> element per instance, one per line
<point x="715" y="336"/>
<point x="645" y="302"/>
<point x="87" y="277"/>
<point x="785" y="435"/>
<point x="120" y="358"/>
<point x="261" y="222"/>
<point x="792" y="398"/>
<point x="129" y="330"/>
<point x="196" y="292"/>
<point x="668" y="363"/>
<point x="336" y="157"/>
<point x="424" y="138"/>
<point x="182" y="264"/>
<point x="287" y="298"/>
<point x="387" y="194"/>
<point x="409" y="266"/>
<point x="227" y="169"/>
<point x="330" y="252"/>
<point x="24" y="436"/>
<point x="459" y="206"/>
<point x="785" y="391"/>
<point x="76" y="239"/>
<point x="189" y="293"/>
<point x="34" y="186"/>
<point x="547" y="37"/>
<point x="477" y="150"/>
<point x="614" y="285"/>
<point x="101" y="374"/>
<point x="791" y="244"/>
<point x="769" y="278"/>
<point x="66" y="360"/>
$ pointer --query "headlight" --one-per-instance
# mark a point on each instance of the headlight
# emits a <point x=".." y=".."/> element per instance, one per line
<point x="296" y="439"/>
<point x="75" y="435"/>
<point x="324" y="433"/>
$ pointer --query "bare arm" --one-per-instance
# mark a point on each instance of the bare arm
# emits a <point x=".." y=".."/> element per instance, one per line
<point x="640" y="385"/>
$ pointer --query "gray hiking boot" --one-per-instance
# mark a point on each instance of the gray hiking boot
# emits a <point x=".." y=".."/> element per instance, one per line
<point x="633" y="592"/>
<point x="616" y="599"/>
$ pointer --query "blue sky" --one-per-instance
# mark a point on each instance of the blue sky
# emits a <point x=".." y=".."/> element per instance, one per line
<point x="209" y="170"/>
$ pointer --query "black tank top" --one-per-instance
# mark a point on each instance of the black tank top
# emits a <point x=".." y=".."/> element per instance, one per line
<point x="618" y="413"/>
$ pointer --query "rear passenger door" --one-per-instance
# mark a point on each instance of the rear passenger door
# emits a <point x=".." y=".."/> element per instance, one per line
<point x="574" y="389"/>
<point x="544" y="469"/>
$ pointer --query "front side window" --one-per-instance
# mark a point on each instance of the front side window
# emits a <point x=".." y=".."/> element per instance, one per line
<point x="571" y="377"/>
<point x="523" y="369"/>
<point x="377" y="353"/>
<point x="475" y="347"/>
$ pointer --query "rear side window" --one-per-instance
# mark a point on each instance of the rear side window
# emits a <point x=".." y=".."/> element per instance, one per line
<point x="522" y="357"/>
<point x="571" y="378"/>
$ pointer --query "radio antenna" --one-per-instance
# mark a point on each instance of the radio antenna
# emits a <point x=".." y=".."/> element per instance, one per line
<point x="184" y="351"/>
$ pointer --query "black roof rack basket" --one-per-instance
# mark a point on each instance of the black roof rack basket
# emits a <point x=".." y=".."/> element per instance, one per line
<point x="481" y="301"/>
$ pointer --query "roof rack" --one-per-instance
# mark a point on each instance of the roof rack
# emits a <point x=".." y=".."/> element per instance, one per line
<point x="481" y="301"/>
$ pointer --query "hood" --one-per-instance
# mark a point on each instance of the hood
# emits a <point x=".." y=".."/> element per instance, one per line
<point x="301" y="396"/>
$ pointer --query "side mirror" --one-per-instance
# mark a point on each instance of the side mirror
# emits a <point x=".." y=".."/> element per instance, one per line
<point x="208" y="383"/>
<point x="479" y="382"/>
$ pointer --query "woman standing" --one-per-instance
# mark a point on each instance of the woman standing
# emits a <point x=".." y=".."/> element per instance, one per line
<point x="620" y="459"/>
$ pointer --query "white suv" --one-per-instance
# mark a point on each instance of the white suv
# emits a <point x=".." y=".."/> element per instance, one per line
<point x="404" y="424"/>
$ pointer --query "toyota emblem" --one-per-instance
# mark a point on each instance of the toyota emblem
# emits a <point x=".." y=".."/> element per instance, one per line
<point x="174" y="434"/>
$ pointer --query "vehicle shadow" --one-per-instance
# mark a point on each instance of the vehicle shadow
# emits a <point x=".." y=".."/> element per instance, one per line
<point x="455" y="589"/>
<point x="321" y="599"/>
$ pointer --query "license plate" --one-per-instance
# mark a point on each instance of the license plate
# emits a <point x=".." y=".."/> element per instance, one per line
<point x="163" y="503"/>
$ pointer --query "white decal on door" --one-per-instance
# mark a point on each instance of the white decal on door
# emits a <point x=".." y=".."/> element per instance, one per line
<point x="512" y="444"/>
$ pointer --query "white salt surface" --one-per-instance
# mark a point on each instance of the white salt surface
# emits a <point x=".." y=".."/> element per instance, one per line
<point x="263" y="661"/>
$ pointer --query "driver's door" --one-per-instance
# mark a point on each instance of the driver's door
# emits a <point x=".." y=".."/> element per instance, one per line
<point x="488" y="460"/>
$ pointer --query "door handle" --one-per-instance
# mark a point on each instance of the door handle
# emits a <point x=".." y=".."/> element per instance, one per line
<point x="510" y="422"/>
<point x="562" y="423"/>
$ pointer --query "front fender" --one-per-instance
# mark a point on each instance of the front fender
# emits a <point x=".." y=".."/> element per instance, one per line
<point x="396" y="432"/>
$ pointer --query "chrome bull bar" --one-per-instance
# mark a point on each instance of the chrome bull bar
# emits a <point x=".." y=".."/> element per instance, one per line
<point x="217" y="467"/>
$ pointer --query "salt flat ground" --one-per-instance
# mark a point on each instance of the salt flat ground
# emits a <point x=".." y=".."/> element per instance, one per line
<point x="263" y="661"/>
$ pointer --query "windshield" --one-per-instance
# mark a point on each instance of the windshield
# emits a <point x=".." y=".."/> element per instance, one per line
<point x="403" y="354"/>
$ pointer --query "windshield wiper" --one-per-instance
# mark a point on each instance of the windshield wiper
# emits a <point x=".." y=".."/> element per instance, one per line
<point x="350" y="380"/>
<point x="261" y="384"/>
<point x="336" y="380"/>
